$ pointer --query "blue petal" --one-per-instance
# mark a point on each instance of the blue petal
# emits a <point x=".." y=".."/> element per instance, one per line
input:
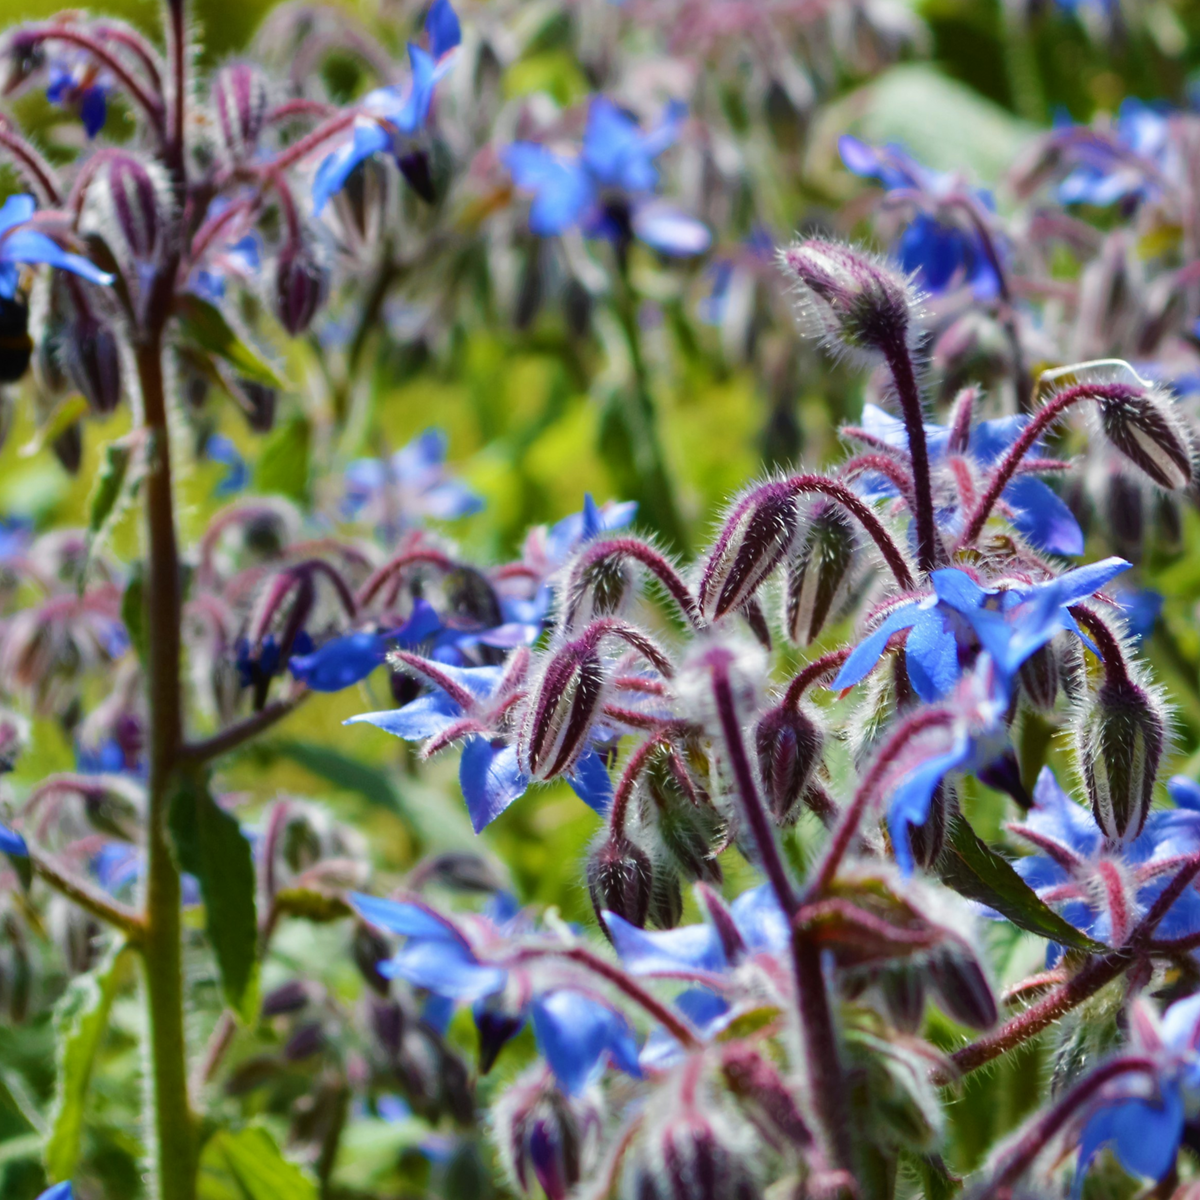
<point x="760" y="920"/>
<point x="591" y="782"/>
<point x="340" y="663"/>
<point x="669" y="231"/>
<point x="958" y="590"/>
<point x="576" y="1033"/>
<point x="404" y="918"/>
<point x="990" y="439"/>
<point x="909" y="804"/>
<point x="446" y="968"/>
<point x="93" y="110"/>
<point x="1185" y="792"/>
<point x="931" y="655"/>
<point x="369" y="138"/>
<point x="666" y="951"/>
<point x="13" y="843"/>
<point x="614" y="150"/>
<point x="1081" y="582"/>
<point x="1043" y="518"/>
<point x="491" y="779"/>
<point x="30" y="246"/>
<point x="443" y="28"/>
<point x="866" y="654"/>
<point x="423" y="622"/>
<point x="60" y="1191"/>
<point x="1143" y="1135"/>
<point x="706" y="1012"/>
<point x="561" y="186"/>
<point x="16" y="210"/>
<point x="415" y="112"/>
<point x="1054" y="814"/>
<point x="422" y="718"/>
<point x="1181" y="1024"/>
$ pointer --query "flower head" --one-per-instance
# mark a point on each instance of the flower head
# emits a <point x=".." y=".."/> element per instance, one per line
<point x="607" y="188"/>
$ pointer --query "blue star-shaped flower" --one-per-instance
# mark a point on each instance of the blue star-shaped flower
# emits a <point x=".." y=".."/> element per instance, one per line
<point x="77" y="84"/>
<point x="576" y="1034"/>
<point x="391" y="117"/>
<point x="943" y="253"/>
<point x="1125" y="168"/>
<point x="607" y="188"/>
<point x="1034" y="509"/>
<point x="947" y="628"/>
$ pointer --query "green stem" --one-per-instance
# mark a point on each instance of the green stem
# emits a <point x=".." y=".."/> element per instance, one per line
<point x="640" y="419"/>
<point x="162" y="941"/>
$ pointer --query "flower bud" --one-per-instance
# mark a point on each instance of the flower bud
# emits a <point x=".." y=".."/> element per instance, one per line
<point x="68" y="448"/>
<point x="16" y="346"/>
<point x="1120" y="743"/>
<point x="94" y="362"/>
<point x="849" y="298"/>
<point x="620" y="880"/>
<point x="132" y="201"/>
<point x="690" y="829"/>
<point x="789" y="744"/>
<point x="599" y="589"/>
<point x="239" y="97"/>
<point x="1039" y="677"/>
<point x="1143" y="425"/>
<point x="903" y="989"/>
<point x="1124" y="511"/>
<point x="417" y="170"/>
<point x="819" y="576"/>
<point x="300" y="286"/>
<point x="925" y="841"/>
<point x="561" y="711"/>
<point x="308" y="1040"/>
<point x="756" y="535"/>
<point x="371" y="948"/>
<point x="260" y="405"/>
<point x="540" y="1136"/>
<point x="666" y="896"/>
<point x="289" y="997"/>
<point x="963" y="991"/>
<point x="497" y="1027"/>
<point x="690" y="1162"/>
<point x="763" y="1093"/>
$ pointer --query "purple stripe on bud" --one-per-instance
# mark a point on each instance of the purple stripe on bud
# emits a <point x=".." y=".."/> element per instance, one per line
<point x="753" y="541"/>
<point x="240" y="100"/>
<point x="135" y="205"/>
<point x="819" y="575"/>
<point x="1145" y="429"/>
<point x="789" y="744"/>
<point x="561" y="710"/>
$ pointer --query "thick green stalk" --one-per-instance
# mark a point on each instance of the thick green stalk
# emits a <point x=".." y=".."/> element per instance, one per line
<point x="174" y="1127"/>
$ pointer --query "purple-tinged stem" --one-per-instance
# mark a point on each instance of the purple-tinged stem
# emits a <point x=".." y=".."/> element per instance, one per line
<point x="1041" y="422"/>
<point x="31" y="164"/>
<point x="847" y="827"/>
<point x="1021" y="1157"/>
<point x="90" y="898"/>
<point x="820" y="485"/>
<point x="629" y="777"/>
<point x="235" y="735"/>
<point x="652" y="560"/>
<point x="817" y="670"/>
<point x="900" y="364"/>
<point x="1106" y="642"/>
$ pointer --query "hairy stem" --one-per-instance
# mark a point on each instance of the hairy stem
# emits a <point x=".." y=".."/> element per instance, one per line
<point x="900" y="364"/>
<point x="86" y="895"/>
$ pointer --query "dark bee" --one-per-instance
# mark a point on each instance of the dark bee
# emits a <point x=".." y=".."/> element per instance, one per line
<point x="16" y="346"/>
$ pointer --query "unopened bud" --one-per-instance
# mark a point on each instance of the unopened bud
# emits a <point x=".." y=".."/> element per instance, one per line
<point x="418" y="174"/>
<point x="963" y="991"/>
<point x="819" y="575"/>
<point x="308" y="1040"/>
<point x="599" y="589"/>
<point x="16" y="346"/>
<point x="849" y="298"/>
<point x="903" y="989"/>
<point x="289" y="997"/>
<point x="1124" y="510"/>
<point x="540" y="1136"/>
<point x="371" y="948"/>
<point x="925" y="841"/>
<point x="666" y="897"/>
<point x="132" y="200"/>
<point x="261" y="402"/>
<point x="763" y="1093"/>
<point x="789" y="744"/>
<point x="752" y="543"/>
<point x="239" y="98"/>
<point x="620" y="879"/>
<point x="1143" y="425"/>
<point x="1120" y="743"/>
<point x="497" y="1027"/>
<point x="68" y="448"/>
<point x="300" y="286"/>
<point x="692" y="1163"/>
<point x="690" y="829"/>
<point x="1039" y="677"/>
<point x="561" y="710"/>
<point x="94" y="362"/>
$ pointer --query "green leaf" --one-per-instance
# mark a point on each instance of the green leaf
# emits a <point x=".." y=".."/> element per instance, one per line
<point x="973" y="869"/>
<point x="210" y="844"/>
<point x="249" y="1166"/>
<point x="284" y="462"/>
<point x="81" y="1018"/>
<point x="107" y="489"/>
<point x="133" y="612"/>
<point x="343" y="772"/>
<point x="205" y="325"/>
